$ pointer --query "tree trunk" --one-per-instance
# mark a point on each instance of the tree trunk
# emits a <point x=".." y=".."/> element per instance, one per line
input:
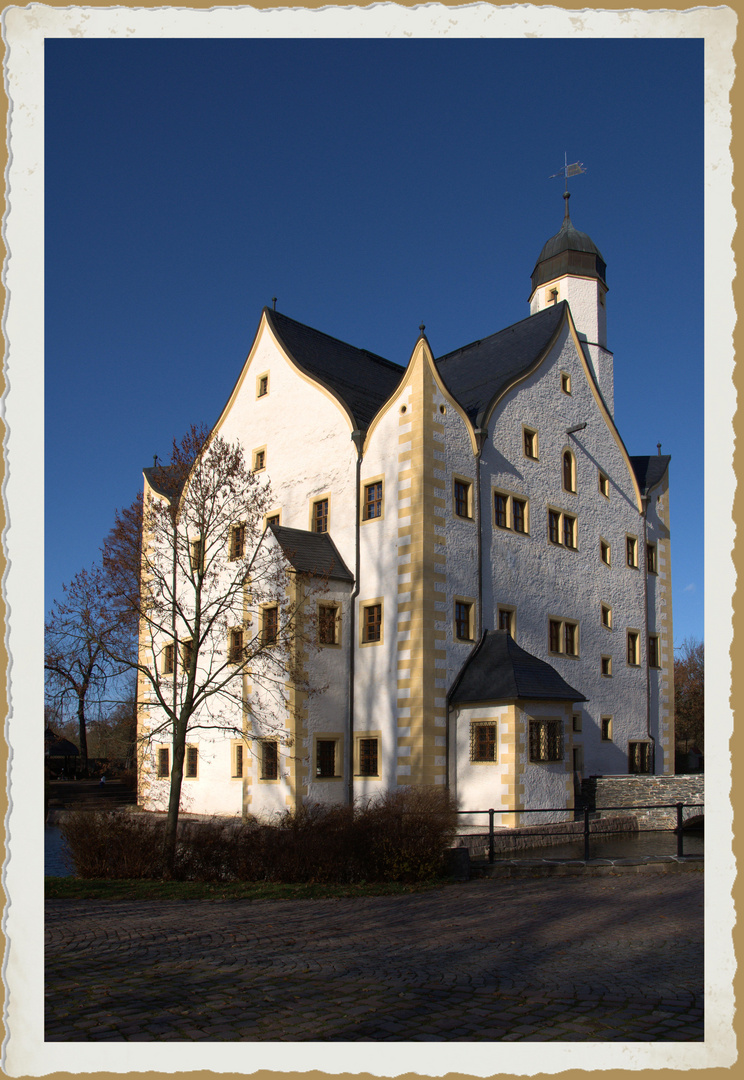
<point x="82" y="734"/>
<point x="174" y="802"/>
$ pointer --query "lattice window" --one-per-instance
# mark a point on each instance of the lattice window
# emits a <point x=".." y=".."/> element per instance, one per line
<point x="482" y="741"/>
<point x="546" y="740"/>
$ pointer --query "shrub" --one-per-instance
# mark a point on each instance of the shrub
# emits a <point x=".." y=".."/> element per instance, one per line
<point x="105" y="844"/>
<point x="399" y="836"/>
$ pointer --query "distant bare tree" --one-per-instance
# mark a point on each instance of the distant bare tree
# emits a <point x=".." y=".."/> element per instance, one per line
<point x="78" y="666"/>
<point x="689" y="694"/>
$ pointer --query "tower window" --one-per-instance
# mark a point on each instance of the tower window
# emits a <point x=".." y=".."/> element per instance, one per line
<point x="651" y="558"/>
<point x="569" y="472"/>
<point x="372" y="500"/>
<point x="606" y="728"/>
<point x="372" y="623"/>
<point x="463" y="498"/>
<point x="463" y="620"/>
<point x="259" y="460"/>
<point x="565" y="382"/>
<point x="631" y="551"/>
<point x="604" y="552"/>
<point x="633" y="658"/>
<point x="320" y="516"/>
<point x="262" y="385"/>
<point x="530" y="443"/>
<point x="604" y="485"/>
<point x="607" y="666"/>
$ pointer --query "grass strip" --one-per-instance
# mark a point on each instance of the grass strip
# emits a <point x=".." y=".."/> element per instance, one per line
<point x="71" y="888"/>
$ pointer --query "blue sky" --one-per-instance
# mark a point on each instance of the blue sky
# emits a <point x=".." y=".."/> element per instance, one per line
<point x="370" y="185"/>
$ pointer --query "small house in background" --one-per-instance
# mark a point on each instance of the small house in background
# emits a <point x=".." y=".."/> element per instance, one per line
<point x="60" y="755"/>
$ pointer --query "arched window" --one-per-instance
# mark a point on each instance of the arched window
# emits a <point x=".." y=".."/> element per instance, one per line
<point x="569" y="471"/>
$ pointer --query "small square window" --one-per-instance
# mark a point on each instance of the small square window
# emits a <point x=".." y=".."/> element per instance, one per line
<point x="633" y="658"/>
<point x="482" y="741"/>
<point x="654" y="657"/>
<point x="192" y="762"/>
<point x="368" y="757"/>
<point x="569" y="472"/>
<point x="604" y="485"/>
<point x="372" y="501"/>
<point x="640" y="759"/>
<point x="530" y="443"/>
<point x="237" y="540"/>
<point x="607" y="616"/>
<point x="569" y="531"/>
<point x="272" y="519"/>
<point x="565" y="382"/>
<point x="163" y="762"/>
<point x="546" y="740"/>
<point x="320" y="516"/>
<point x="463" y="620"/>
<point x="235" y="647"/>
<point x="631" y="551"/>
<point x="519" y="515"/>
<point x="269" y="625"/>
<point x="259" y="460"/>
<point x="604" y="552"/>
<point x="606" y="727"/>
<point x="506" y="619"/>
<point x="325" y="760"/>
<point x="651" y="558"/>
<point x="238" y="760"/>
<point x="607" y="666"/>
<point x="269" y="759"/>
<point x="196" y="556"/>
<point x="168" y="658"/>
<point x="463" y="494"/>
<point x="328" y="620"/>
<point x="372" y="623"/>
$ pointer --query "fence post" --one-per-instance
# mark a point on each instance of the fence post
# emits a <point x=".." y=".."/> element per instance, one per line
<point x="490" y="835"/>
<point x="586" y="834"/>
<point x="680" y="833"/>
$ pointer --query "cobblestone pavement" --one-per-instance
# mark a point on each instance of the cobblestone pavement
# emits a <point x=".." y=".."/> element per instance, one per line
<point x="574" y="959"/>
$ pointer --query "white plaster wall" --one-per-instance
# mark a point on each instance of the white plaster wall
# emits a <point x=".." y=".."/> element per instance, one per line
<point x="479" y="785"/>
<point x="376" y="665"/>
<point x="461" y="546"/>
<point x="544" y="782"/>
<point x="541" y="579"/>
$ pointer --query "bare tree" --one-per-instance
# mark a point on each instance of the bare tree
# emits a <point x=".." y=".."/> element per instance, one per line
<point x="689" y="694"/>
<point x="77" y="662"/>
<point x="193" y="565"/>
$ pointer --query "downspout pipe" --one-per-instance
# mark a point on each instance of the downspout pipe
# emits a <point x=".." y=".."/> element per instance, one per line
<point x="357" y="437"/>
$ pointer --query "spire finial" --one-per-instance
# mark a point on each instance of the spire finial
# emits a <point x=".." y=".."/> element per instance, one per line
<point x="273" y="300"/>
<point x="422" y="328"/>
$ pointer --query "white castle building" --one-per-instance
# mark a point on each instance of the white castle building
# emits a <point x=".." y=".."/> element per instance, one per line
<point x="499" y="613"/>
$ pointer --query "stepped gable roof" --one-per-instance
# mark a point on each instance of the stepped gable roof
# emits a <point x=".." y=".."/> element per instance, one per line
<point x="361" y="379"/>
<point x="499" y="670"/>
<point x="649" y="470"/>
<point x="476" y="373"/>
<point x="311" y="553"/>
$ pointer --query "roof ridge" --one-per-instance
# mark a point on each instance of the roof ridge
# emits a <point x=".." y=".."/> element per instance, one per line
<point x="321" y="333"/>
<point x="497" y="333"/>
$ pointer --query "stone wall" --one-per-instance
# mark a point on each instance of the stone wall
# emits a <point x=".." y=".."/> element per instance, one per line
<point x="601" y="792"/>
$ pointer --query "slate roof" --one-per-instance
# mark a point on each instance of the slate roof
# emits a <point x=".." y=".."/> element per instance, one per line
<point x="361" y="379"/>
<point x="499" y="670"/>
<point x="157" y="479"/>
<point x="650" y="470"/>
<point x="476" y="373"/>
<point x="311" y="553"/>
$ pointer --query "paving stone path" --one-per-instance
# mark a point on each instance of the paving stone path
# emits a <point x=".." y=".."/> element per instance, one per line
<point x="573" y="959"/>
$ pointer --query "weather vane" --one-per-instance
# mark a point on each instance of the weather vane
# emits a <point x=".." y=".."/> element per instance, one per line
<point x="569" y="170"/>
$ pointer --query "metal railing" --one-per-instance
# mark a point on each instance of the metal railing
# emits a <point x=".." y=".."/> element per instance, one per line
<point x="678" y="830"/>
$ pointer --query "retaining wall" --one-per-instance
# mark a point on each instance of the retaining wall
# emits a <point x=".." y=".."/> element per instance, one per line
<point x="600" y="792"/>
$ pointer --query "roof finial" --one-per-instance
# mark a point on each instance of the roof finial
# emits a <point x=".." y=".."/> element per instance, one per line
<point x="273" y="300"/>
<point x="658" y="448"/>
<point x="154" y="461"/>
<point x="422" y="328"/>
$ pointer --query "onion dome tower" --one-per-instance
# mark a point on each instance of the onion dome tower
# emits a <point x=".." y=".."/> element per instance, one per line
<point x="571" y="267"/>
